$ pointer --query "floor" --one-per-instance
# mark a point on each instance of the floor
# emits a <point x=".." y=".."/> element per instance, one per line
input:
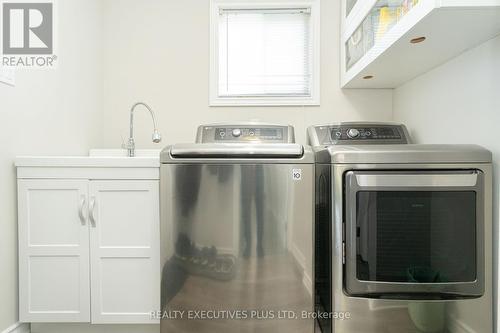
<point x="266" y="285"/>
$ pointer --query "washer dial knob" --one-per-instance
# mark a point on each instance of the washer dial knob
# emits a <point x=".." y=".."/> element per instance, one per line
<point x="353" y="133"/>
<point x="236" y="132"/>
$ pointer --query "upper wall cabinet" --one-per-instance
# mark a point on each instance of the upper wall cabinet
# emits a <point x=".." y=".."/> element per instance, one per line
<point x="385" y="43"/>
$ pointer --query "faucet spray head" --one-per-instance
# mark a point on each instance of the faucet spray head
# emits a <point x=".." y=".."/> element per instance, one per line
<point x="156" y="136"/>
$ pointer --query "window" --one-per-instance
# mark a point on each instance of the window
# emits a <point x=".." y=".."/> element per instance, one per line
<point x="264" y="53"/>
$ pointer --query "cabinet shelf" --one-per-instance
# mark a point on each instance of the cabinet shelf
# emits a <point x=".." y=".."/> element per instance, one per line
<point x="450" y="27"/>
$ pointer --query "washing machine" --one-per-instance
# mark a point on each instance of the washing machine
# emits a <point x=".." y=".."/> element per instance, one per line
<point x="237" y="212"/>
<point x="403" y="232"/>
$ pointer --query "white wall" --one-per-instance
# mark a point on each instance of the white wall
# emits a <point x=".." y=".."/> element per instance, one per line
<point x="158" y="51"/>
<point x="115" y="52"/>
<point x="48" y="112"/>
<point x="458" y="102"/>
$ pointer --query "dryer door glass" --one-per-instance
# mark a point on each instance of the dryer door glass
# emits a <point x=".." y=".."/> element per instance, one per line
<point x="415" y="235"/>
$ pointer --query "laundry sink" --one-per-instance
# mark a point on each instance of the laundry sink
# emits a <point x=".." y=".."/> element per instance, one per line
<point x="139" y="153"/>
<point x="104" y="158"/>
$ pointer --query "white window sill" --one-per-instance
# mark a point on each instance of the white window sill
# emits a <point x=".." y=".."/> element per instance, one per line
<point x="263" y="101"/>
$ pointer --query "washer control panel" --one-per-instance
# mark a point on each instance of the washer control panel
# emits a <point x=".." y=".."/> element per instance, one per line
<point x="251" y="133"/>
<point x="357" y="133"/>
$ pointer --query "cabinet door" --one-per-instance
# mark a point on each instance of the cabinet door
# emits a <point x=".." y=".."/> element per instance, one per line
<point x="124" y="240"/>
<point x="53" y="251"/>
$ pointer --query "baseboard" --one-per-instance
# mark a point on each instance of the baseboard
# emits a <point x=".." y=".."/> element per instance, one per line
<point x="18" y="328"/>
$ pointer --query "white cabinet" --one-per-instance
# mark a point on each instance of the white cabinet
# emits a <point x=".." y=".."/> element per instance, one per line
<point x="124" y="250"/>
<point x="88" y="244"/>
<point x="53" y="251"/>
<point x="385" y="43"/>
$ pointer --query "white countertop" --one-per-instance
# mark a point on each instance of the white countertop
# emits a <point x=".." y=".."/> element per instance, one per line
<point x="103" y="158"/>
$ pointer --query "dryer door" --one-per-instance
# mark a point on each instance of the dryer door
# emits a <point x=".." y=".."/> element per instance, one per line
<point x="414" y="235"/>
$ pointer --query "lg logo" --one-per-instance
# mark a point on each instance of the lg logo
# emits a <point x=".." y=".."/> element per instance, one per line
<point x="27" y="28"/>
<point x="297" y="174"/>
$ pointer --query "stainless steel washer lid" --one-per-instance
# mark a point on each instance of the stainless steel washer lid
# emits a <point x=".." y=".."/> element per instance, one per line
<point x="404" y="154"/>
<point x="229" y="150"/>
<point x="237" y="153"/>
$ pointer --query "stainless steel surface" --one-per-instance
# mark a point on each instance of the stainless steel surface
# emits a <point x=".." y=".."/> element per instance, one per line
<point x="449" y="180"/>
<point x="255" y="217"/>
<point x="269" y="153"/>
<point x="356" y="133"/>
<point x="414" y="153"/>
<point x="348" y="168"/>
<point x="410" y="316"/>
<point x="245" y="132"/>
<point x="237" y="231"/>
<point x="452" y="179"/>
<point x="156" y="137"/>
<point x="235" y="150"/>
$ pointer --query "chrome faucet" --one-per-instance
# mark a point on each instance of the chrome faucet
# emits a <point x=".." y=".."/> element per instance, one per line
<point x="130" y="146"/>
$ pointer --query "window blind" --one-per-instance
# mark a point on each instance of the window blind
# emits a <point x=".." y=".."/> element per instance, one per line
<point x="265" y="52"/>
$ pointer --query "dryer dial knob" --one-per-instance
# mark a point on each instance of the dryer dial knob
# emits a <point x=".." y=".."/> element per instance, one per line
<point x="236" y="132"/>
<point x="353" y="133"/>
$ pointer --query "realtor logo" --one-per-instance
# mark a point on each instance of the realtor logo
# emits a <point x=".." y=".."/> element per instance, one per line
<point x="27" y="28"/>
<point x="28" y="33"/>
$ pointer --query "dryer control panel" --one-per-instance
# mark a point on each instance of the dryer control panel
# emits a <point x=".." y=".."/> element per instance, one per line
<point x="357" y="134"/>
<point x="245" y="133"/>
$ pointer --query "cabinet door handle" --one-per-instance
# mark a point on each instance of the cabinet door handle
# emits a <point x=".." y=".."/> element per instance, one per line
<point x="91" y="213"/>
<point x="80" y="209"/>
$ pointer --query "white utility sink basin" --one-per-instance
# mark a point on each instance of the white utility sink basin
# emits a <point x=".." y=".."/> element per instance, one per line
<point x="155" y="153"/>
<point x="103" y="158"/>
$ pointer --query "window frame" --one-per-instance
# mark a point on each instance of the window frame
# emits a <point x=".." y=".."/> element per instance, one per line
<point x="216" y="100"/>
